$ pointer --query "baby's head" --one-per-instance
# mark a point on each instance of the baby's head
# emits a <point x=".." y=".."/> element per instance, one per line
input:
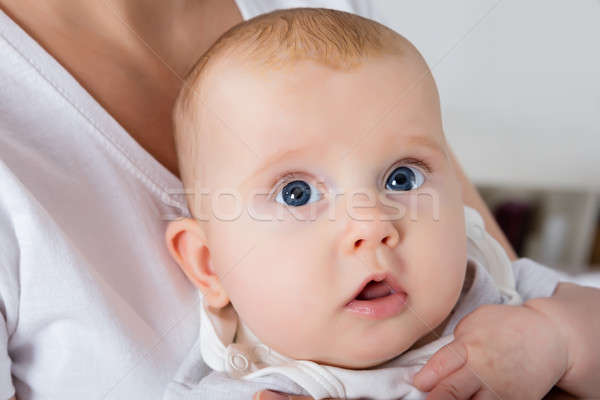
<point x="312" y="142"/>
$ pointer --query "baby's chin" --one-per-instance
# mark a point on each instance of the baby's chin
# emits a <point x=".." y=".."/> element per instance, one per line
<point x="364" y="357"/>
<point x="368" y="355"/>
<point x="363" y="360"/>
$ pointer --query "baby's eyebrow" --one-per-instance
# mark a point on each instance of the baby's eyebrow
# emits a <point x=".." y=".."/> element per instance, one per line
<point x="412" y="141"/>
<point x="276" y="157"/>
<point x="427" y="142"/>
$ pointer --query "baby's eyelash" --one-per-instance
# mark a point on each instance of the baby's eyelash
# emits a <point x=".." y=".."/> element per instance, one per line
<point x="289" y="175"/>
<point x="286" y="176"/>
<point x="415" y="162"/>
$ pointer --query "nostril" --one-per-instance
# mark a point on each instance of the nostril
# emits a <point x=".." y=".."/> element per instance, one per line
<point x="385" y="240"/>
<point x="358" y="243"/>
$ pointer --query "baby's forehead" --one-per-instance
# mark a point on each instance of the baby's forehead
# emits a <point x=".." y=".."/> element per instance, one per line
<point x="308" y="97"/>
<point x="258" y="115"/>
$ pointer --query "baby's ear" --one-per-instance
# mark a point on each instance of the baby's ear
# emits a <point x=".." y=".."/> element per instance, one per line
<point x="188" y="246"/>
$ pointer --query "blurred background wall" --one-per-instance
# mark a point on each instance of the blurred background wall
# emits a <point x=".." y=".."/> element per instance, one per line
<point x="519" y="84"/>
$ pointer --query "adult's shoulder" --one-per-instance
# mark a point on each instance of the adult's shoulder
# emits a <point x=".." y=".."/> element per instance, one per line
<point x="252" y="8"/>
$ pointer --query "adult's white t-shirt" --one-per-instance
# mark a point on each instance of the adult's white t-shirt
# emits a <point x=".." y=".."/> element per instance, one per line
<point x="91" y="304"/>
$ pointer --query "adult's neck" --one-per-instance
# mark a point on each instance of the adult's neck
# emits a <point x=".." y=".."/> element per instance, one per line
<point x="130" y="55"/>
<point x="165" y="27"/>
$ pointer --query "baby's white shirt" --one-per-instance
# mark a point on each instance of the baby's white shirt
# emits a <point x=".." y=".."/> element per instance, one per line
<point x="243" y="365"/>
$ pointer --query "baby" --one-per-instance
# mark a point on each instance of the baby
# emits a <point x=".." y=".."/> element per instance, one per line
<point x="329" y="241"/>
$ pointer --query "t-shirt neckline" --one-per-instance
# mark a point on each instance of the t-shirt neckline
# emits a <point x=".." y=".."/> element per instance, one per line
<point x="130" y="153"/>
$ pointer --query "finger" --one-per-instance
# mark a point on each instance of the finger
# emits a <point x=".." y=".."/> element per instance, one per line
<point x="486" y="395"/>
<point x="461" y="385"/>
<point x="444" y="362"/>
<point x="270" y="395"/>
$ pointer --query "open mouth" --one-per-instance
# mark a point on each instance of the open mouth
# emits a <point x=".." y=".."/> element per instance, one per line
<point x="375" y="290"/>
<point x="378" y="297"/>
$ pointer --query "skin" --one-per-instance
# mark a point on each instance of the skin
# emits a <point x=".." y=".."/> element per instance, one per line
<point x="317" y="265"/>
<point x="115" y="80"/>
<point x="492" y="344"/>
<point x="128" y="54"/>
<point x="309" y="253"/>
<point x="134" y="69"/>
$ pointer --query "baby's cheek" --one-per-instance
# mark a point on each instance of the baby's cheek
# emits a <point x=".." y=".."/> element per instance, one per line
<point x="275" y="306"/>
<point x="287" y="328"/>
<point x="230" y="243"/>
<point x="437" y="266"/>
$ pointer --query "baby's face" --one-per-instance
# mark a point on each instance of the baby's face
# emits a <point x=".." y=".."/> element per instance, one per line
<point x="304" y="147"/>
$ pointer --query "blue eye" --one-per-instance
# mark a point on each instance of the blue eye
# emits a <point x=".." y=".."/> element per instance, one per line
<point x="404" y="179"/>
<point x="297" y="193"/>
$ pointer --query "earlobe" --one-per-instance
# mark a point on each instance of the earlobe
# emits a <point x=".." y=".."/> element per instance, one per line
<point x="187" y="244"/>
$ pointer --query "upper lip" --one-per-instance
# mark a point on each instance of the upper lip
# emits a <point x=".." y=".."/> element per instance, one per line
<point x="385" y="277"/>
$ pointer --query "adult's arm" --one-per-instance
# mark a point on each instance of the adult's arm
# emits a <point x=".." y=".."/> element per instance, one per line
<point x="574" y="310"/>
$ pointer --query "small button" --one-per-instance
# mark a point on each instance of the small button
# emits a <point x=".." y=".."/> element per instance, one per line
<point x="238" y="361"/>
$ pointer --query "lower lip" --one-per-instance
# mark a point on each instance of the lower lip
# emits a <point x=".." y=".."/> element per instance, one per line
<point x="380" y="308"/>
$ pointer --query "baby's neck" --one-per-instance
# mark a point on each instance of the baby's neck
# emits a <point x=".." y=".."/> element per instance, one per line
<point x="432" y="335"/>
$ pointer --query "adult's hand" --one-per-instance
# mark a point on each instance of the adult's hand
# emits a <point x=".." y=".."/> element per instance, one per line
<point x="499" y="351"/>
<point x="269" y="395"/>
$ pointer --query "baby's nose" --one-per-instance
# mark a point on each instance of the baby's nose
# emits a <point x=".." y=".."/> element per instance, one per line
<point x="370" y="234"/>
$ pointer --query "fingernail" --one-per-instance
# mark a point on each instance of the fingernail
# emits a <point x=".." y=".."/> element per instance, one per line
<point x="268" y="395"/>
<point x="424" y="379"/>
